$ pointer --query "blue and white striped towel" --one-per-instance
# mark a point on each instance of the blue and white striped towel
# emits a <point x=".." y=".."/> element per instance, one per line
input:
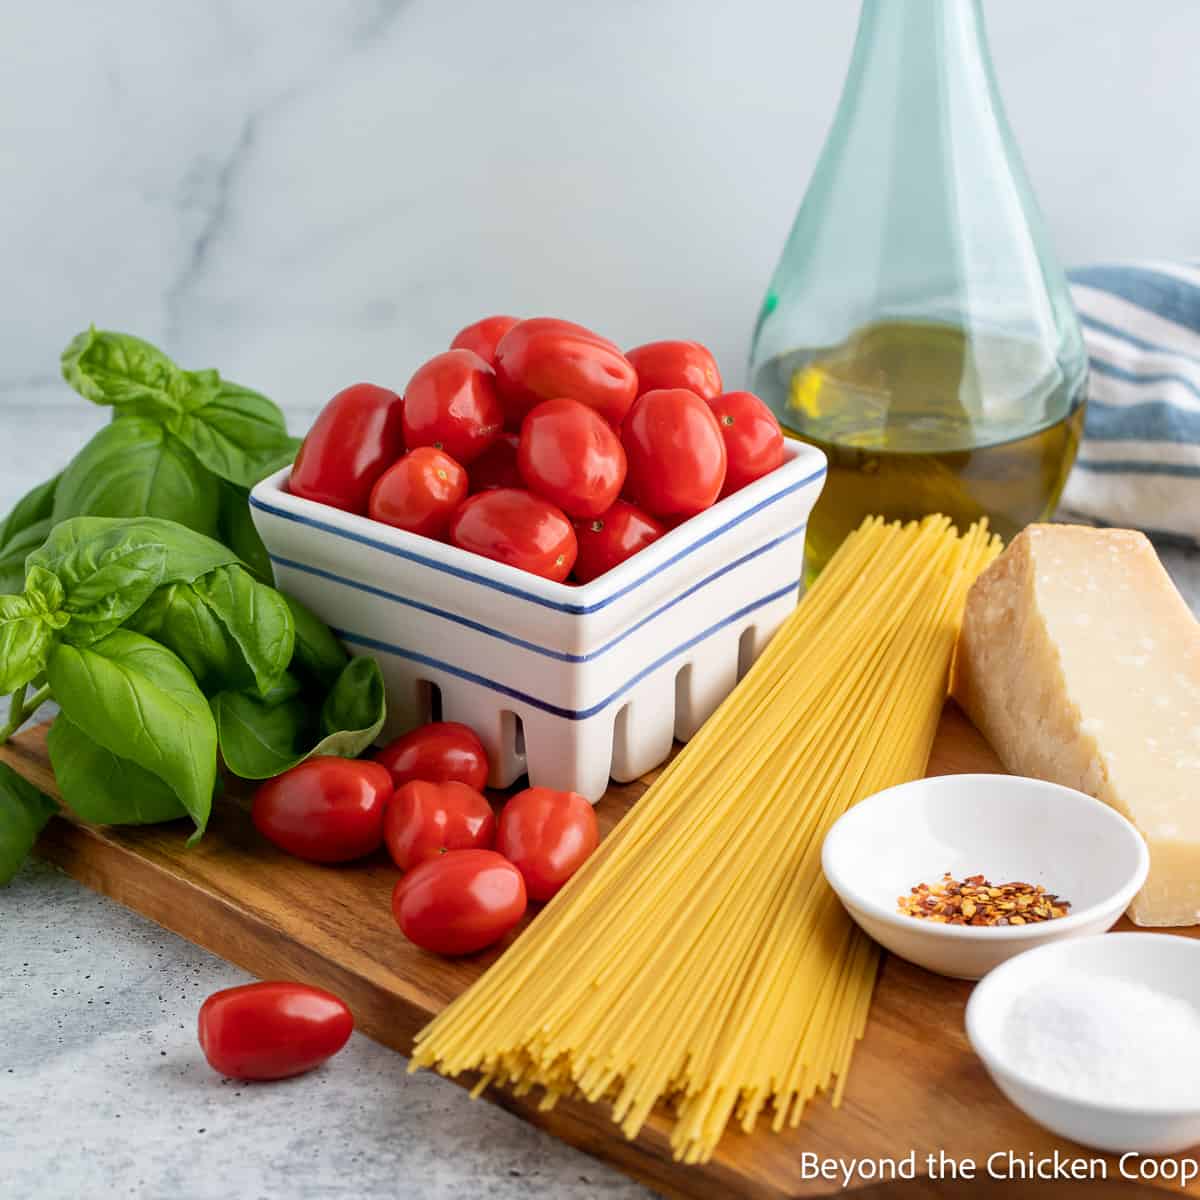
<point x="1139" y="464"/>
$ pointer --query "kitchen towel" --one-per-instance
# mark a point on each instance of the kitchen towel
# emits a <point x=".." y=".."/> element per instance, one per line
<point x="1139" y="463"/>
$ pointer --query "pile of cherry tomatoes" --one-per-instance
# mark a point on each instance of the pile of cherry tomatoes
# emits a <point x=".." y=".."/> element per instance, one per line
<point x="468" y="873"/>
<point x="540" y="444"/>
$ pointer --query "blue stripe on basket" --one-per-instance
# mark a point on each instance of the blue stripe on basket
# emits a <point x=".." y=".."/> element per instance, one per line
<point x="509" y="589"/>
<point x="570" y="714"/>
<point x="479" y="627"/>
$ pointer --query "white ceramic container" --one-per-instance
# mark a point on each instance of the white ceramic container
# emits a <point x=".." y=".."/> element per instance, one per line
<point x="570" y="684"/>
<point x="1166" y="963"/>
<point x="1005" y="827"/>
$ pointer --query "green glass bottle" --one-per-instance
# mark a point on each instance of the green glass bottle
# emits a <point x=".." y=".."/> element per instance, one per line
<point x="918" y="329"/>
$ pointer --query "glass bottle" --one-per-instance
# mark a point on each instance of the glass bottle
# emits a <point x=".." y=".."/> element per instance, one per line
<point x="917" y="328"/>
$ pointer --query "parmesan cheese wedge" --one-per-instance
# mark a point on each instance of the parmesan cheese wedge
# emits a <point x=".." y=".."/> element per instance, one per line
<point x="1080" y="663"/>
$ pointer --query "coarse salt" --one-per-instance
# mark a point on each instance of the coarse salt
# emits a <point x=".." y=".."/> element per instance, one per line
<point x="1107" y="1041"/>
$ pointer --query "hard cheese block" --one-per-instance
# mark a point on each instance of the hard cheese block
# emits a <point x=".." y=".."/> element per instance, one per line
<point x="1080" y="663"/>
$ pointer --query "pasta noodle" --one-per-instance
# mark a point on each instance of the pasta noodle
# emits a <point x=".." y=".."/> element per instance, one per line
<point x="699" y="957"/>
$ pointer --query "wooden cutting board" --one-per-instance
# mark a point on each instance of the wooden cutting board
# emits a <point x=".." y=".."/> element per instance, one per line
<point x="914" y="1084"/>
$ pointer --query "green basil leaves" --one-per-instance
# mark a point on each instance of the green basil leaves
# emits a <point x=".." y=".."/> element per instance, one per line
<point x="24" y="812"/>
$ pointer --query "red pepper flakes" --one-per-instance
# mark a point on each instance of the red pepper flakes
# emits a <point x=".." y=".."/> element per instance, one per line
<point x="976" y="901"/>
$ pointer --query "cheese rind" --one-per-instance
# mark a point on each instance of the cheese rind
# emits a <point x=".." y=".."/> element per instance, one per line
<point x="1080" y="663"/>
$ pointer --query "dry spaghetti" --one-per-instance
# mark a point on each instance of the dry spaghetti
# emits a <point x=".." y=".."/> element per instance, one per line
<point x="699" y="957"/>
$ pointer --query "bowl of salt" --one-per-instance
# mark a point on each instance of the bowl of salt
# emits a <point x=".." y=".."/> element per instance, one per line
<point x="1098" y="1039"/>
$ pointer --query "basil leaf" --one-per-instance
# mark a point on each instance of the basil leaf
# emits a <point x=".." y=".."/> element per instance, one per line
<point x="259" y="740"/>
<point x="237" y="434"/>
<point x="286" y="687"/>
<point x="25" y="641"/>
<point x="235" y="527"/>
<point x="34" y="507"/>
<point x="135" y="468"/>
<point x="103" y="788"/>
<point x="137" y="700"/>
<point x="24" y="812"/>
<point x="230" y="630"/>
<point x="122" y="370"/>
<point x="14" y="553"/>
<point x="73" y="544"/>
<point x="318" y="653"/>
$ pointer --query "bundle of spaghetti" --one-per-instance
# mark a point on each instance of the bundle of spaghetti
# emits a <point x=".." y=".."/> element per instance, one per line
<point x="699" y="958"/>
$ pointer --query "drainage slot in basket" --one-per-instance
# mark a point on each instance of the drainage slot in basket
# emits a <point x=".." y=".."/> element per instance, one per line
<point x="518" y="736"/>
<point x="746" y="649"/>
<point x="429" y="700"/>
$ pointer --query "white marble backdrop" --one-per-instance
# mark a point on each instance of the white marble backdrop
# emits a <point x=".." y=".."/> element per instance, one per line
<point x="309" y="192"/>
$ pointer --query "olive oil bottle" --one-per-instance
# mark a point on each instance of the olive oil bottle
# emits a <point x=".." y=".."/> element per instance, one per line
<point x="917" y="328"/>
<point x="899" y="410"/>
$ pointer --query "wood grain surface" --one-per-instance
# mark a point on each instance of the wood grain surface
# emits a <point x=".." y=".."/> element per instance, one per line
<point x="914" y="1086"/>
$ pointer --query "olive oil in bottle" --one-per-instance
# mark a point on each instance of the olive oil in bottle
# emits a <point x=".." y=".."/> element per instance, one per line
<point x="919" y="416"/>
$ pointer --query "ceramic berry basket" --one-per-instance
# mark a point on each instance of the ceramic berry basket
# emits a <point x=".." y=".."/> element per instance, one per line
<point x="570" y="684"/>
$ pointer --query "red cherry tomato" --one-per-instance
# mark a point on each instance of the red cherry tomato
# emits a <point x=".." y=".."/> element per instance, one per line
<point x="357" y="436"/>
<point x="483" y="336"/>
<point x="459" y="902"/>
<point x="753" y="439"/>
<point x="611" y="538"/>
<point x="327" y="809"/>
<point x="568" y="453"/>
<point x="496" y="467"/>
<point x="543" y="359"/>
<point x="518" y="528"/>
<point x="676" y="453"/>
<point x="437" y="752"/>
<point x="272" y="1030"/>
<point x="676" y="365"/>
<point x="451" y="404"/>
<point x="420" y="492"/>
<point x="547" y="836"/>
<point x="426" y="819"/>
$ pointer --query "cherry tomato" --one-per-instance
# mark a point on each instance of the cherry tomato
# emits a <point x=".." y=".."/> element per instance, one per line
<point x="420" y="492"/>
<point x="496" y="467"/>
<point x="327" y="809"/>
<point x="518" y="528"/>
<point x="568" y="453"/>
<point x="459" y="902"/>
<point x="676" y="365"/>
<point x="753" y="439"/>
<point x="272" y="1030"/>
<point x="676" y="453"/>
<point x="483" y="336"/>
<point x="547" y="836"/>
<point x="543" y="359"/>
<point x="611" y="538"/>
<point x="426" y="819"/>
<point x="437" y="752"/>
<point x="451" y="404"/>
<point x="357" y="436"/>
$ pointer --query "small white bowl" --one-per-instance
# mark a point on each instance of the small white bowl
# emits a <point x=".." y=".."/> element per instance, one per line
<point x="1004" y="827"/>
<point x="1166" y="963"/>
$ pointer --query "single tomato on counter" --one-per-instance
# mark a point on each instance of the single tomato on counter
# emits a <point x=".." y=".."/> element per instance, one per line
<point x="438" y="752"/>
<point x="483" y="336"/>
<point x="569" y="454"/>
<point x="518" y="528"/>
<point x="451" y="404"/>
<point x="497" y="467"/>
<point x="326" y="809"/>
<point x="676" y="365"/>
<point x="543" y="359"/>
<point x="420" y="492"/>
<point x="753" y="439"/>
<point x="356" y="437"/>
<point x="459" y="902"/>
<point x="424" y="820"/>
<point x="547" y="836"/>
<point x="609" y="539"/>
<point x="272" y="1030"/>
<point x="676" y="454"/>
